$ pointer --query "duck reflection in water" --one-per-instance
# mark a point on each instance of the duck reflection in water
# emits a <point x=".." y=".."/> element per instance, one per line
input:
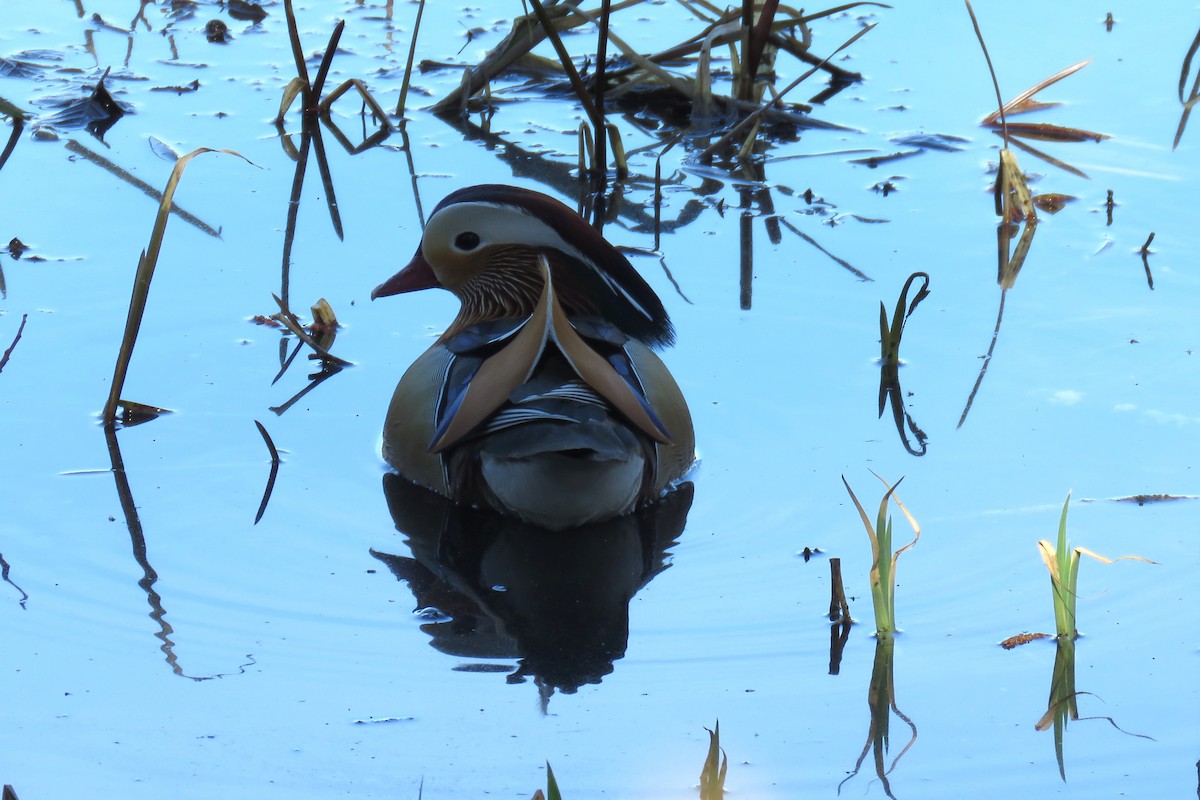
<point x="543" y="400"/>
<point x="556" y="600"/>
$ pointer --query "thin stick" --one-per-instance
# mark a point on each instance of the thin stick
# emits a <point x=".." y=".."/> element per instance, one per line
<point x="104" y="163"/>
<point x="17" y="338"/>
<point x="601" y="162"/>
<point x="412" y="51"/>
<point x="991" y="71"/>
<point x="564" y="58"/>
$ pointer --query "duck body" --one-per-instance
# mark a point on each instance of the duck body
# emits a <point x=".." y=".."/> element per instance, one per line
<point x="543" y="400"/>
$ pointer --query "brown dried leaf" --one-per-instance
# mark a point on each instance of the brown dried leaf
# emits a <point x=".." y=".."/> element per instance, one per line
<point x="1022" y="638"/>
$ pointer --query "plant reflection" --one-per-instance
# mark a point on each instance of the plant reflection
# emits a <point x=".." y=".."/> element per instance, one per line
<point x="502" y="589"/>
<point x="881" y="698"/>
<point x="149" y="577"/>
<point x="1062" y="706"/>
<point x="748" y="179"/>
<point x="266" y="498"/>
<point x="323" y="331"/>
<point x="18" y="118"/>
<point x="1062" y="699"/>
<point x="889" y="362"/>
<point x="1009" y="268"/>
<point x="1193" y="96"/>
<point x="4" y="567"/>
<point x="315" y="112"/>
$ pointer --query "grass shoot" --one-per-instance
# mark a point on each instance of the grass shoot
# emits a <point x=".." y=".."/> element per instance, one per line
<point x="1063" y="564"/>
<point x="883" y="560"/>
<point x="552" y="792"/>
<point x="712" y="775"/>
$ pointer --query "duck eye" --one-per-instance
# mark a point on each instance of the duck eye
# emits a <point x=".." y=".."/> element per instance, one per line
<point x="468" y="240"/>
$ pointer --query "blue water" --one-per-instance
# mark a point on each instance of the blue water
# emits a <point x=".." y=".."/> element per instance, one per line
<point x="257" y="658"/>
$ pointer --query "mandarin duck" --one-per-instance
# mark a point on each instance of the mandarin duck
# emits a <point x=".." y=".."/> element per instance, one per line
<point x="543" y="399"/>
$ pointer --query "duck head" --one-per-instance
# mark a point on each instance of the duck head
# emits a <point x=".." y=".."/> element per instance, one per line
<point x="484" y="244"/>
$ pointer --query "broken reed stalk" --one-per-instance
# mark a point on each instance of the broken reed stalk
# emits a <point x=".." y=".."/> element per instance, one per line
<point x="600" y="175"/>
<point x="412" y="52"/>
<point x="755" y="40"/>
<point x="744" y="78"/>
<point x="839" y="607"/>
<point x="141" y="282"/>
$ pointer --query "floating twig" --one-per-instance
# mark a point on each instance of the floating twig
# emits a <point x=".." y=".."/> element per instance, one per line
<point x="7" y="353"/>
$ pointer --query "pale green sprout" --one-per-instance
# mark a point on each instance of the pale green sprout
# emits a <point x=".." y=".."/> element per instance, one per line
<point x="883" y="560"/>
<point x="1063" y="564"/>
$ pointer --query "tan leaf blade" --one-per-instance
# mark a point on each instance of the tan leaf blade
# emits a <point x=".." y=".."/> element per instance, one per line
<point x="1053" y="133"/>
<point x="1017" y="104"/>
